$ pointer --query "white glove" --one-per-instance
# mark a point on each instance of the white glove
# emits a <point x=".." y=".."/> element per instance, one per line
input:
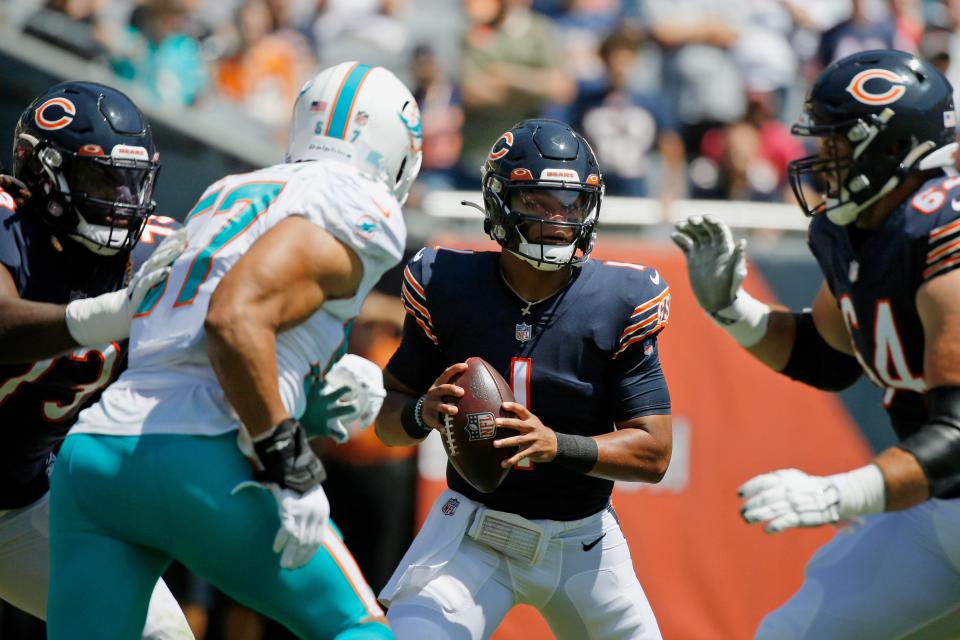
<point x="717" y="267"/>
<point x="106" y="318"/>
<point x="790" y="498"/>
<point x="364" y="396"/>
<point x="303" y="522"/>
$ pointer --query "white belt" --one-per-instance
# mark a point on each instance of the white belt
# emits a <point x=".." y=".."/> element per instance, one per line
<point x="510" y="534"/>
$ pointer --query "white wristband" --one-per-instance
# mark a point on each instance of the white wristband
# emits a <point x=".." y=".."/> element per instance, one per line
<point x="745" y="319"/>
<point x="860" y="491"/>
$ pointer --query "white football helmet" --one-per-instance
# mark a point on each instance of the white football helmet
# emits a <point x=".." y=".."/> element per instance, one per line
<point x="363" y="115"/>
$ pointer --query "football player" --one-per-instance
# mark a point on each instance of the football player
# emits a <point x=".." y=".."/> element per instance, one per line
<point x="279" y="261"/>
<point x="577" y="339"/>
<point x="887" y="237"/>
<point x="85" y="165"/>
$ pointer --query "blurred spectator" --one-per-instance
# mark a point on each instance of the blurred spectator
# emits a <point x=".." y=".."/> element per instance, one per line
<point x="371" y="487"/>
<point x="510" y="70"/>
<point x="158" y="54"/>
<point x="442" y="116"/>
<point x="703" y="84"/>
<point x="266" y="65"/>
<point x="747" y="160"/>
<point x="368" y="30"/>
<point x="581" y="29"/>
<point x="68" y="24"/>
<point x="626" y="127"/>
<point x="870" y="26"/>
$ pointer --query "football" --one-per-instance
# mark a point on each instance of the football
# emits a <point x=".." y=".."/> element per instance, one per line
<point x="468" y="436"/>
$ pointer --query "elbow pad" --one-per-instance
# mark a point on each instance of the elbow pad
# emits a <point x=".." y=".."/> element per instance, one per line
<point x="816" y="363"/>
<point x="936" y="446"/>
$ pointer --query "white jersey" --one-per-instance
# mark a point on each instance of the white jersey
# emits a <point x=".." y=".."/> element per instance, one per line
<point x="170" y="386"/>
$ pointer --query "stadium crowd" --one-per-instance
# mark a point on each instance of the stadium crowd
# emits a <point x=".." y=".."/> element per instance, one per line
<point x="681" y="98"/>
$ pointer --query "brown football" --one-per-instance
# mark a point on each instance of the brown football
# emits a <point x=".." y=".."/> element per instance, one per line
<point x="468" y="436"/>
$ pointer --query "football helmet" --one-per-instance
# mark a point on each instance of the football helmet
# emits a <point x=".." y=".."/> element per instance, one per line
<point x="87" y="155"/>
<point x="542" y="190"/>
<point x="882" y="115"/>
<point x="362" y="115"/>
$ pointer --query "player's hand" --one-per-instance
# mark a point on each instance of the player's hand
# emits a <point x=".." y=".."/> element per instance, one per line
<point x="715" y="264"/>
<point x="16" y="190"/>
<point x="106" y="318"/>
<point x="347" y="400"/>
<point x="434" y="404"/>
<point x="303" y="521"/>
<point x="789" y="498"/>
<point x="536" y="440"/>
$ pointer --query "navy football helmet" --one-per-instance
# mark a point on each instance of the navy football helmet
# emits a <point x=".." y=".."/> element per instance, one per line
<point x="542" y="190"/>
<point x="87" y="154"/>
<point x="882" y="115"/>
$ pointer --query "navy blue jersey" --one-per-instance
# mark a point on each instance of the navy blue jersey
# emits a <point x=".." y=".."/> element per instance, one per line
<point x="874" y="276"/>
<point x="581" y="361"/>
<point x="39" y="401"/>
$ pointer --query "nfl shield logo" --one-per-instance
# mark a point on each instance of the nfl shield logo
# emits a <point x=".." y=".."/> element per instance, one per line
<point x="481" y="426"/>
<point x="524" y="332"/>
<point x="450" y="507"/>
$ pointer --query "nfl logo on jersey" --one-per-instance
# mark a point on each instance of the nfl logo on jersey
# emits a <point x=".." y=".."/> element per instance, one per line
<point x="450" y="507"/>
<point x="481" y="426"/>
<point x="524" y="332"/>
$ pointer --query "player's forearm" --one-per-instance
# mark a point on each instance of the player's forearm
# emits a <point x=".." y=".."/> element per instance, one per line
<point x="632" y="455"/>
<point x="389" y="423"/>
<point x="776" y="345"/>
<point x="904" y="479"/>
<point x="243" y="355"/>
<point x="31" y="331"/>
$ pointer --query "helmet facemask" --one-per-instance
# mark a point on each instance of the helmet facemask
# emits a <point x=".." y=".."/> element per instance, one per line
<point x="101" y="202"/>
<point x="547" y="225"/>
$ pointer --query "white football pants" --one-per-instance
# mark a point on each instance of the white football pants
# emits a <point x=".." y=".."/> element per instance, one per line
<point x="25" y="573"/>
<point x="450" y="585"/>
<point x="887" y="577"/>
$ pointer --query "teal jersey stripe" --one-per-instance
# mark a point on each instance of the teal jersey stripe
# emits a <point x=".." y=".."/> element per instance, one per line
<point x="202" y="205"/>
<point x="344" y="102"/>
<point x="259" y="196"/>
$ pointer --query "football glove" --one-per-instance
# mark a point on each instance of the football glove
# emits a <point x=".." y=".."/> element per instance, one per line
<point x="790" y="498"/>
<point x="106" y="318"/>
<point x="347" y="401"/>
<point x="715" y="263"/>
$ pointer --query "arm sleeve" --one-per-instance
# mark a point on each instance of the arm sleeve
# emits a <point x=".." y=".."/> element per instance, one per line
<point x="419" y="359"/>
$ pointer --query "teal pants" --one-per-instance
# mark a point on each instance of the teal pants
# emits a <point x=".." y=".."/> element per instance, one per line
<point x="123" y="507"/>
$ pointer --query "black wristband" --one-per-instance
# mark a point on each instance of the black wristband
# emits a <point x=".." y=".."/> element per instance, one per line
<point x="936" y="446"/>
<point x="577" y="453"/>
<point x="412" y="421"/>
<point x="287" y="458"/>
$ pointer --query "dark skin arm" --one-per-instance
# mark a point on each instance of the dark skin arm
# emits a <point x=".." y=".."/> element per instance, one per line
<point x="30" y="331"/>
<point x="280" y="282"/>
<point x="638" y="451"/>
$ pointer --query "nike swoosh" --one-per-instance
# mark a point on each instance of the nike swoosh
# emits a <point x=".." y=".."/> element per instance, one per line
<point x="655" y="277"/>
<point x="590" y="545"/>
<point x="385" y="212"/>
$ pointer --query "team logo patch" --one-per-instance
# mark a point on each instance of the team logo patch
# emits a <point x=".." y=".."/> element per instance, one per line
<point x="481" y="426"/>
<point x="90" y="150"/>
<point x="129" y="152"/>
<point x="55" y="113"/>
<point x="362" y="118"/>
<point x="887" y="87"/>
<point x="450" y="507"/>
<point x="524" y="332"/>
<point x="499" y="150"/>
<point x="366" y="226"/>
<point x="521" y="174"/>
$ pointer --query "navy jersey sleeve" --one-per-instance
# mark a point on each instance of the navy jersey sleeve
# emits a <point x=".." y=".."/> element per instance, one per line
<point x="10" y="245"/>
<point x="639" y="385"/>
<point x="418" y="360"/>
<point x="937" y="234"/>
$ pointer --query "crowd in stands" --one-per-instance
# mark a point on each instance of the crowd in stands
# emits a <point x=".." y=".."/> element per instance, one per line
<point x="679" y="97"/>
